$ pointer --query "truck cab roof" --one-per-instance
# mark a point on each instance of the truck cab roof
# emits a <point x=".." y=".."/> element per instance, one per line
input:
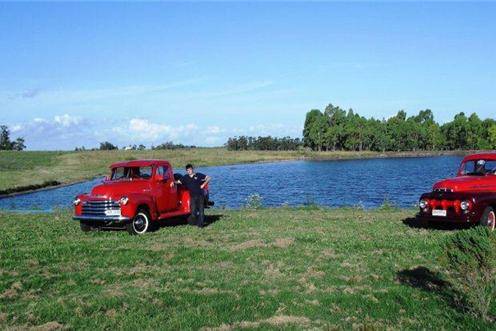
<point x="139" y="163"/>
<point x="480" y="156"/>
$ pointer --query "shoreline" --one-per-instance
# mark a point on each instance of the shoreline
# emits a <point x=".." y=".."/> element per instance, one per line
<point x="315" y="207"/>
<point x="45" y="188"/>
<point x="317" y="156"/>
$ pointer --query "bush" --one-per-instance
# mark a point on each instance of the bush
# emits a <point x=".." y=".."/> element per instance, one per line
<point x="254" y="201"/>
<point x="469" y="259"/>
<point x="387" y="205"/>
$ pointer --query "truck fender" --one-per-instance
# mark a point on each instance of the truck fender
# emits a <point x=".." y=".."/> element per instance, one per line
<point x="135" y="202"/>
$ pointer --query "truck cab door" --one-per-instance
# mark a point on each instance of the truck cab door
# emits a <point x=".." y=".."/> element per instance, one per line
<point x="166" y="196"/>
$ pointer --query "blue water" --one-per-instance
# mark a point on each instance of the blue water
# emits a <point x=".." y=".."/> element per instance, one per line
<point x="367" y="183"/>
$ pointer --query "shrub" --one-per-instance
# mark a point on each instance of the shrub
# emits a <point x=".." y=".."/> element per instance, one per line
<point x="387" y="205"/>
<point x="469" y="259"/>
<point x="254" y="201"/>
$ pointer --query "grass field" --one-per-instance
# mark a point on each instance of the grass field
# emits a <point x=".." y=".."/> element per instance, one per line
<point x="259" y="269"/>
<point x="19" y="170"/>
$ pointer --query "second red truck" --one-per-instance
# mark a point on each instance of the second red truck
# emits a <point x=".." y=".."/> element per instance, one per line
<point x="468" y="198"/>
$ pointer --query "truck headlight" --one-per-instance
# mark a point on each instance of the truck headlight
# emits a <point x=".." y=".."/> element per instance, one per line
<point x="465" y="205"/>
<point x="423" y="204"/>
<point x="76" y="201"/>
<point x="123" y="201"/>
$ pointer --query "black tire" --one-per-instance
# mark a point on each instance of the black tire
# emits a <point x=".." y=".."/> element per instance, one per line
<point x="85" y="227"/>
<point x="488" y="218"/>
<point x="140" y="224"/>
<point x="191" y="220"/>
<point x="424" y="224"/>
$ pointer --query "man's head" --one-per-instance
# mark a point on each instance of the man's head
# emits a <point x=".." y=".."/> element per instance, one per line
<point x="189" y="169"/>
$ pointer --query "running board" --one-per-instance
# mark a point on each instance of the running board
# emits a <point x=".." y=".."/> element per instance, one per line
<point x="172" y="214"/>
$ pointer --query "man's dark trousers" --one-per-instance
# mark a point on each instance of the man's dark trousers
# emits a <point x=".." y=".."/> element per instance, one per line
<point x="197" y="205"/>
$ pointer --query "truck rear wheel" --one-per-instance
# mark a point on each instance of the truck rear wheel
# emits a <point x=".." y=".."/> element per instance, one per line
<point x="488" y="218"/>
<point x="139" y="224"/>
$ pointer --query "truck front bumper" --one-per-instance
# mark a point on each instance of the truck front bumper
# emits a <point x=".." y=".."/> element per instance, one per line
<point x="104" y="219"/>
<point x="449" y="218"/>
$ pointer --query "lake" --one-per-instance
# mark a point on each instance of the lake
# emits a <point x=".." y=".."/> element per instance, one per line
<point x="367" y="183"/>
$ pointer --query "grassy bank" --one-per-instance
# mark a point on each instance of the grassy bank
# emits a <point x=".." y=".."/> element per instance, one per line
<point x="284" y="268"/>
<point x="20" y="171"/>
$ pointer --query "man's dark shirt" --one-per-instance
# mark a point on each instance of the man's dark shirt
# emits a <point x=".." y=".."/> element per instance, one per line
<point x="193" y="183"/>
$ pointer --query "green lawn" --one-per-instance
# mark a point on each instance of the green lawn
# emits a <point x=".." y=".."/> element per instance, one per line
<point x="258" y="269"/>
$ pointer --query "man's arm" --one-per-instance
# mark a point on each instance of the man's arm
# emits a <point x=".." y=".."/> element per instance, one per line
<point x="205" y="181"/>
<point x="178" y="182"/>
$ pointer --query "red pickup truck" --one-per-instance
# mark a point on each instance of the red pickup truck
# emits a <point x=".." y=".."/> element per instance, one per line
<point x="470" y="197"/>
<point x="136" y="195"/>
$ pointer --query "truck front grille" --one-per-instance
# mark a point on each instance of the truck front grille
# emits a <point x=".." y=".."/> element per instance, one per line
<point x="99" y="207"/>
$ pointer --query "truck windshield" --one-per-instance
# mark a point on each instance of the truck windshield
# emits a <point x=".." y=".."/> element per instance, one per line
<point x="131" y="172"/>
<point x="478" y="168"/>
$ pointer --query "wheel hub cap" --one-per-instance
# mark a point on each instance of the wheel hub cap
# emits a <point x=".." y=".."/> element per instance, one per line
<point x="491" y="220"/>
<point x="139" y="223"/>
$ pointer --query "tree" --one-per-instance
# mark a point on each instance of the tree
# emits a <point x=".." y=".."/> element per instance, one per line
<point x="336" y="129"/>
<point x="267" y="143"/>
<point x="474" y="132"/>
<point x="310" y="120"/>
<point x="335" y="135"/>
<point x="5" y="143"/>
<point x="18" y="144"/>
<point x="107" y="146"/>
<point x="456" y="132"/>
<point x="492" y="136"/>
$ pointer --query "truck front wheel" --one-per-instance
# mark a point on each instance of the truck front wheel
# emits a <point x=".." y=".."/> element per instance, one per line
<point x="85" y="227"/>
<point x="488" y="218"/>
<point x="139" y="224"/>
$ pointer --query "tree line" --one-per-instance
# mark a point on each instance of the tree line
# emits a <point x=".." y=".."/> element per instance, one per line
<point x="337" y="129"/>
<point x="8" y="145"/>
<point x="108" y="146"/>
<point x="266" y="143"/>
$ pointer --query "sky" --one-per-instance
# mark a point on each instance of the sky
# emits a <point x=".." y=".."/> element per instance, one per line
<point x="76" y="74"/>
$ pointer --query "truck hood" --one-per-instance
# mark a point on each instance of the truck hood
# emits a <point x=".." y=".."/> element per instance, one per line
<point x="467" y="183"/>
<point x="117" y="189"/>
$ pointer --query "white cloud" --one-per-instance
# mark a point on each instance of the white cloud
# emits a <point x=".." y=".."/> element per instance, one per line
<point x="214" y="130"/>
<point x="67" y="131"/>
<point x="16" y="128"/>
<point x="67" y="120"/>
<point x="147" y="131"/>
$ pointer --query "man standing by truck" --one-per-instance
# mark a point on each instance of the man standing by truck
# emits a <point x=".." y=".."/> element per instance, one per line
<point x="195" y="183"/>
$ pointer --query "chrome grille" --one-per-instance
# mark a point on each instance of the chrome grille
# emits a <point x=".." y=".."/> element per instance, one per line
<point x="98" y="207"/>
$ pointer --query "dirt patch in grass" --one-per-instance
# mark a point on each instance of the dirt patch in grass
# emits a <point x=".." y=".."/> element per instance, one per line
<point x="283" y="242"/>
<point x="111" y="313"/>
<point x="50" y="326"/>
<point x="256" y="243"/>
<point x="114" y="291"/>
<point x="196" y="243"/>
<point x="144" y="283"/>
<point x="277" y="321"/>
<point x="272" y="271"/>
<point x="12" y="291"/>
